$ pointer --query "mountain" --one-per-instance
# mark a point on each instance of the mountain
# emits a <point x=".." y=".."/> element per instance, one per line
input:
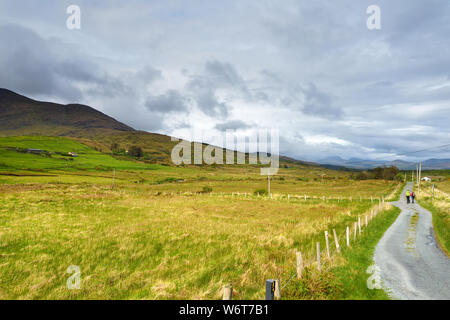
<point x="20" y="116"/>
<point x="357" y="163"/>
<point x="27" y="116"/>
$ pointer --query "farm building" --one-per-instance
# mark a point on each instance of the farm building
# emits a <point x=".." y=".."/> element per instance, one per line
<point x="73" y="154"/>
<point x="428" y="179"/>
<point x="37" y="151"/>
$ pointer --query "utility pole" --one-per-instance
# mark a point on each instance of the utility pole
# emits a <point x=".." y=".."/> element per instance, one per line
<point x="420" y="175"/>
<point x="417" y="174"/>
<point x="268" y="180"/>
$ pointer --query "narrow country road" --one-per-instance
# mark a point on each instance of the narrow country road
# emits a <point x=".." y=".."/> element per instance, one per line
<point x="411" y="264"/>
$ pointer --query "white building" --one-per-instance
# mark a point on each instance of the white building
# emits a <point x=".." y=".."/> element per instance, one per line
<point x="428" y="179"/>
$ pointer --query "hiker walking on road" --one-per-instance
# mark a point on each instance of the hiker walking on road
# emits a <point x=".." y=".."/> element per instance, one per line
<point x="407" y="196"/>
<point x="413" y="196"/>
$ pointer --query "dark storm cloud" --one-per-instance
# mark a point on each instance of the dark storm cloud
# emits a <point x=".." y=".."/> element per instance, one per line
<point x="205" y="86"/>
<point x="232" y="125"/>
<point x="222" y="73"/>
<point x="171" y="101"/>
<point x="148" y="74"/>
<point x="32" y="65"/>
<point x="28" y="65"/>
<point x="318" y="103"/>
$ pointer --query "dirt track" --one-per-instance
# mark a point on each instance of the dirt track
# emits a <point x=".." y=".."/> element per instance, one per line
<point x="411" y="263"/>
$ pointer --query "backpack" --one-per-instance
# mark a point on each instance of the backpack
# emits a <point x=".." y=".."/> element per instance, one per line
<point x="413" y="194"/>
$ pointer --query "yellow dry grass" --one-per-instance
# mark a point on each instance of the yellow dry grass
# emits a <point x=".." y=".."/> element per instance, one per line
<point x="131" y="243"/>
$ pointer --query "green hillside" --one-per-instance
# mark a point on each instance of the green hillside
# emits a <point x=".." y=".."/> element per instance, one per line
<point x="55" y="156"/>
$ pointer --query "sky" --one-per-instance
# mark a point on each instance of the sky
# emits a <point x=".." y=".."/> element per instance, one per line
<point x="310" y="69"/>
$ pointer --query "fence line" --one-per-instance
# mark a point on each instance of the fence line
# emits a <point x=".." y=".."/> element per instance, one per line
<point x="274" y="291"/>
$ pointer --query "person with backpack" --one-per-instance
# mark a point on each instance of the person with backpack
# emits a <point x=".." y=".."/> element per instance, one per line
<point x="413" y="196"/>
<point x="407" y="196"/>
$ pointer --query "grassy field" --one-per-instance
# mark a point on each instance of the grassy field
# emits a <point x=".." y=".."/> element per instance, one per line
<point x="440" y="208"/>
<point x="155" y="235"/>
<point x="132" y="244"/>
<point x="88" y="158"/>
<point x="346" y="276"/>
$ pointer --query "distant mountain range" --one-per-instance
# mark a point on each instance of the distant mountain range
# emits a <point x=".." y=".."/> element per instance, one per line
<point x="357" y="163"/>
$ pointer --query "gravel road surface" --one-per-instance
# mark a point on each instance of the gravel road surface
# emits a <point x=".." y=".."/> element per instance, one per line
<point x="411" y="264"/>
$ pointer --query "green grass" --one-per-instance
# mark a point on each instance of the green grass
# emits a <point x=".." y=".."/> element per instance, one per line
<point x="344" y="276"/>
<point x="396" y="196"/>
<point x="352" y="275"/>
<point x="440" y="210"/>
<point x="88" y="159"/>
<point x="144" y="240"/>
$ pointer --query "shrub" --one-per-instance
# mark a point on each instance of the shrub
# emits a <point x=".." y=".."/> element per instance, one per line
<point x="206" y="189"/>
<point x="260" y="192"/>
<point x="135" y="151"/>
<point x="114" y="147"/>
<point x="167" y="180"/>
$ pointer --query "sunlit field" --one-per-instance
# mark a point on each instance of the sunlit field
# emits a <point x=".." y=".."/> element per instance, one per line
<point x="131" y="242"/>
<point x="140" y="231"/>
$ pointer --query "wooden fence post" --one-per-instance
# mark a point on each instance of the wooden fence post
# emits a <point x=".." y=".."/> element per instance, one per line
<point x="277" y="289"/>
<point x="348" y="236"/>
<point x="359" y="224"/>
<point x="228" y="292"/>
<point x="318" y="256"/>
<point x="299" y="257"/>
<point x="327" y="243"/>
<point x="336" y="241"/>
<point x="366" y="220"/>
<point x="354" y="231"/>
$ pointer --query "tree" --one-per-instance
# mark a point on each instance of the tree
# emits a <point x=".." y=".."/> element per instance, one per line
<point x="114" y="147"/>
<point x="135" y="151"/>
<point x="386" y="173"/>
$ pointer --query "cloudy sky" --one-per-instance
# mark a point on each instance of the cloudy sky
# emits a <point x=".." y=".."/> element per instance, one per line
<point x="311" y="69"/>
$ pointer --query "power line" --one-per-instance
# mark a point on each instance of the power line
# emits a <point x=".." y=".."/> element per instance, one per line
<point x="402" y="154"/>
<point x="439" y="147"/>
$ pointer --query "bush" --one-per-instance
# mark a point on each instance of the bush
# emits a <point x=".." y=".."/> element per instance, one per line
<point x="114" y="147"/>
<point x="167" y="180"/>
<point x="206" y="189"/>
<point x="261" y="192"/>
<point x="135" y="151"/>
